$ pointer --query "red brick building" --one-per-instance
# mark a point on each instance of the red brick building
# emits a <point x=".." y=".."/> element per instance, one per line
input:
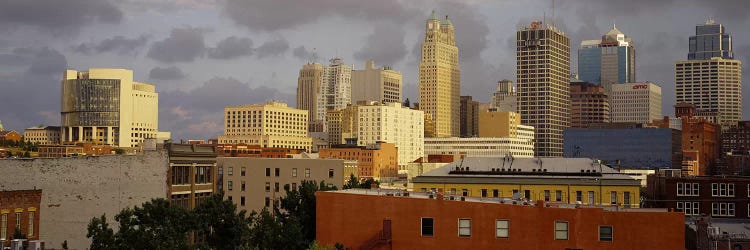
<point x="715" y="196"/>
<point x="700" y="139"/>
<point x="419" y="222"/>
<point x="256" y="151"/>
<point x="736" y="138"/>
<point x="19" y="210"/>
<point x="10" y="135"/>
<point x="588" y="104"/>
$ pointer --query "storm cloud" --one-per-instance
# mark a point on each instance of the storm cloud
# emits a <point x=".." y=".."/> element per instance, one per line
<point x="117" y="44"/>
<point x="182" y="45"/>
<point x="231" y="47"/>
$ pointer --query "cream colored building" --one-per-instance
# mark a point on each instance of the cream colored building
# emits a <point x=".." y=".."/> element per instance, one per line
<point x="503" y="124"/>
<point x="520" y="146"/>
<point x="43" y="135"/>
<point x="635" y="102"/>
<point x="504" y="98"/>
<point x="273" y="124"/>
<point x="376" y="84"/>
<point x="440" y="77"/>
<point x="342" y="124"/>
<point x="308" y="89"/>
<point x="543" y="78"/>
<point x="392" y="123"/>
<point x="105" y="106"/>
<point x="336" y="88"/>
<point x="711" y="85"/>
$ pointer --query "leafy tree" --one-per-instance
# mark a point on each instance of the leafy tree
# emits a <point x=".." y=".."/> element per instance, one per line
<point x="267" y="232"/>
<point x="26" y="154"/>
<point x="352" y="183"/>
<point x="316" y="246"/>
<point x="299" y="205"/>
<point x="221" y="224"/>
<point x="102" y="237"/>
<point x="367" y="183"/>
<point x="65" y="245"/>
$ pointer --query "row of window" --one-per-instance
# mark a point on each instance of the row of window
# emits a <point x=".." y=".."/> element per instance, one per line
<point x="502" y="229"/>
<point x="181" y="175"/>
<point x="4" y="224"/>
<point x="527" y="194"/>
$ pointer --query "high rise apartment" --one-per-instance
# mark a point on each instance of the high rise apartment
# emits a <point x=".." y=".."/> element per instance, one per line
<point x="543" y="72"/>
<point x="105" y="106"/>
<point x="376" y="84"/>
<point x="469" y="117"/>
<point x="392" y="123"/>
<point x="269" y="125"/>
<point x="308" y="91"/>
<point x="336" y="87"/>
<point x="635" y="102"/>
<point x="607" y="61"/>
<point x="588" y="104"/>
<point x="504" y="99"/>
<point x="440" y="77"/>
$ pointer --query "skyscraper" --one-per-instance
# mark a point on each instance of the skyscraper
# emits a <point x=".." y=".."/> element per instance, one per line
<point x="469" y="117"/>
<point x="607" y="61"/>
<point x="308" y="91"/>
<point x="376" y="84"/>
<point x="588" y="104"/>
<point x="710" y="79"/>
<point x="504" y="99"/>
<point x="543" y="76"/>
<point x="336" y="87"/>
<point x="439" y="77"/>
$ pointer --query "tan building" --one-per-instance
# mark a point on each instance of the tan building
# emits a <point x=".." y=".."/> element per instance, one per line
<point x="588" y="104"/>
<point x="469" y="117"/>
<point x="105" y="106"/>
<point x="503" y="124"/>
<point x="308" y="90"/>
<point x="43" y="135"/>
<point x="192" y="174"/>
<point x="392" y="123"/>
<point x="273" y="124"/>
<point x="336" y="88"/>
<point x="635" y="102"/>
<point x="376" y="84"/>
<point x="543" y="76"/>
<point x="519" y="147"/>
<point x="255" y="183"/>
<point x="504" y="98"/>
<point x="711" y="85"/>
<point x="342" y="124"/>
<point x="440" y="77"/>
<point x="378" y="161"/>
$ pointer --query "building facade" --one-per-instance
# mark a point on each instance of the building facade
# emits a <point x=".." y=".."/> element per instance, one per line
<point x="105" y="106"/>
<point x="503" y="124"/>
<point x="469" y="117"/>
<point x="256" y="183"/>
<point x="418" y="221"/>
<point x="608" y="61"/>
<point x="376" y="84"/>
<point x="42" y="135"/>
<point x="10" y="135"/>
<point x="589" y="103"/>
<point x="392" y="123"/>
<point x="736" y="138"/>
<point x="343" y="124"/>
<point x="712" y="85"/>
<point x="504" y="99"/>
<point x="520" y="147"/>
<point x="377" y="161"/>
<point x="440" y="77"/>
<point x="273" y="124"/>
<point x="309" y="91"/>
<point x="700" y="139"/>
<point x="627" y="147"/>
<point x="543" y="81"/>
<point x="710" y="40"/>
<point x="256" y="151"/>
<point x="192" y="174"/>
<point x="635" y="102"/>
<point x="336" y="87"/>
<point x="19" y="211"/>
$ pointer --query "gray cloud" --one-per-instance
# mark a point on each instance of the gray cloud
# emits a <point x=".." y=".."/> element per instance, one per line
<point x="302" y="53"/>
<point x="385" y="45"/>
<point x="231" y="47"/>
<point x="272" y="48"/>
<point x="470" y="27"/>
<point x="58" y="17"/>
<point x="182" y="45"/>
<point x="118" y="44"/>
<point x="168" y="73"/>
<point x="48" y="62"/>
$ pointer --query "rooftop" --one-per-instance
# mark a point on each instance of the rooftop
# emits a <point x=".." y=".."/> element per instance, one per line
<point x="528" y="167"/>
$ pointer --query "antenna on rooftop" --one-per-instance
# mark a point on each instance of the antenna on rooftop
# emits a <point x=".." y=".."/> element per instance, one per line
<point x="314" y="56"/>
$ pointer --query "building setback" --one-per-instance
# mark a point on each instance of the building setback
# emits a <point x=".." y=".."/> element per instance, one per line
<point x="504" y="99"/>
<point x="700" y="139"/>
<point x="588" y="104"/>
<point x="627" y="147"/>
<point x="418" y="221"/>
<point x="376" y="84"/>
<point x="19" y="211"/>
<point x="635" y="102"/>
<point x="543" y="78"/>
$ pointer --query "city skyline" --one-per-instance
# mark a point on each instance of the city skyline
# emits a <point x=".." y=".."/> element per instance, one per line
<point x="205" y="50"/>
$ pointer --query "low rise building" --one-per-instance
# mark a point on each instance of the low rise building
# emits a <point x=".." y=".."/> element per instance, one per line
<point x="378" y="161"/>
<point x="480" y="146"/>
<point x="398" y="220"/>
<point x="10" y="135"/>
<point x="19" y="212"/>
<point x="78" y="149"/>
<point x="43" y="135"/>
<point x="273" y="124"/>
<point x="624" y="146"/>
<point x="700" y="139"/>
<point x="564" y="180"/>
<point x="638" y="174"/>
<point x="192" y="174"/>
<point x="717" y="196"/>
<point x="256" y="151"/>
<point x="494" y="123"/>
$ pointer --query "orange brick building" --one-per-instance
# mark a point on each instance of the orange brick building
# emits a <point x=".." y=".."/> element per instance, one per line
<point x="418" y="222"/>
<point x="700" y="139"/>
<point x="10" y="135"/>
<point x="375" y="161"/>
<point x="255" y="151"/>
<point x="19" y="210"/>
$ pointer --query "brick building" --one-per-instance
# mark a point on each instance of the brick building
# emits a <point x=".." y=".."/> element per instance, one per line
<point x="192" y="174"/>
<point x="256" y="151"/>
<point x="700" y="139"/>
<point x="19" y="210"/>
<point x="377" y="161"/>
<point x="10" y="135"/>
<point x="588" y="104"/>
<point x="736" y="138"/>
<point x="419" y="221"/>
<point x="716" y="196"/>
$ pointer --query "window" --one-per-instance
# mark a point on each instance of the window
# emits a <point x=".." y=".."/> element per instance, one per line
<point x="730" y="189"/>
<point x="242" y="201"/>
<point x="495" y="193"/>
<point x="546" y="195"/>
<point x="276" y="187"/>
<point x="558" y="195"/>
<point x="427" y="227"/>
<point x="4" y="226"/>
<point x="527" y="194"/>
<point x="242" y="187"/>
<point x="229" y="171"/>
<point x="277" y="172"/>
<point x="268" y="172"/>
<point x="501" y="228"/>
<point x="605" y="233"/>
<point x="229" y="185"/>
<point x="229" y="198"/>
<point x="696" y="189"/>
<point x="464" y="192"/>
<point x="464" y="227"/>
<point x="268" y="187"/>
<point x="18" y="222"/>
<point x="294" y="172"/>
<point x="294" y="186"/>
<point x="330" y="173"/>
<point x="722" y="209"/>
<point x="714" y="189"/>
<point x="680" y="191"/>
<point x="31" y="224"/>
<point x="626" y="199"/>
<point x="307" y="172"/>
<point x="613" y="196"/>
<point x="722" y="189"/>
<point x="484" y="193"/>
<point x="242" y="171"/>
<point x="579" y="195"/>
<point x="268" y="202"/>
<point x="561" y="230"/>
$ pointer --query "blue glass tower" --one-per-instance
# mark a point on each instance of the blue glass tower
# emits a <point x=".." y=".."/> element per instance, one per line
<point x="607" y="61"/>
<point x="710" y="40"/>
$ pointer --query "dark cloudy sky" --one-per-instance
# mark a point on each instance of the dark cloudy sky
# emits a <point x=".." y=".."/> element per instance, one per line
<point x="205" y="54"/>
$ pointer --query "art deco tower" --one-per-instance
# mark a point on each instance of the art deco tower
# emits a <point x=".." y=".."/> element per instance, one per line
<point x="440" y="76"/>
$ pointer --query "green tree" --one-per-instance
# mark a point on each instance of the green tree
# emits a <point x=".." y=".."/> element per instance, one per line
<point x="26" y="154"/>
<point x="221" y="224"/>
<point x="102" y="237"/>
<point x="352" y="183"/>
<point x="65" y="245"/>
<point x="299" y="205"/>
<point x="267" y="232"/>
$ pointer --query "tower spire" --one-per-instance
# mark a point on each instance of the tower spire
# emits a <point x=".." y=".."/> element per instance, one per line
<point x="434" y="16"/>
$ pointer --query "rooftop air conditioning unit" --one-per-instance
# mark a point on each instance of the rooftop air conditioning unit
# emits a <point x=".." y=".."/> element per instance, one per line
<point x="36" y="245"/>
<point x="713" y="231"/>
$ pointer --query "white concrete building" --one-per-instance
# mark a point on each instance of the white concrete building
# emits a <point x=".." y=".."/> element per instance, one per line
<point x="395" y="124"/>
<point x="105" y="106"/>
<point x="635" y="102"/>
<point x="376" y="84"/>
<point x="713" y="85"/>
<point x="335" y="88"/>
<point x="43" y="135"/>
<point x="519" y="147"/>
<point x="273" y="124"/>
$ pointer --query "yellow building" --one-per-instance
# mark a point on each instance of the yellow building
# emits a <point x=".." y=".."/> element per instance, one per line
<point x="563" y="180"/>
<point x="342" y="124"/>
<point x="308" y="90"/>
<point x="440" y="77"/>
<point x="503" y="124"/>
<point x="273" y="124"/>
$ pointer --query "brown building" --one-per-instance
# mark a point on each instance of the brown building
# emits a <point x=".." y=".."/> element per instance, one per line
<point x="192" y="173"/>
<point x="736" y="138"/>
<point x="588" y="104"/>
<point x="700" y="139"/>
<point x="716" y="196"/>
<point x="19" y="210"/>
<point x="469" y="117"/>
<point x="10" y="135"/>
<point x="256" y="151"/>
<point x="57" y="151"/>
<point x="424" y="221"/>
<point x="377" y="161"/>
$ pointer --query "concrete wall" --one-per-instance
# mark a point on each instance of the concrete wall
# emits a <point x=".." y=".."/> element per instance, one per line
<point x="78" y="189"/>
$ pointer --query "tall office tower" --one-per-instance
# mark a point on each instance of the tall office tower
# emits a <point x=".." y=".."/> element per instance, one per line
<point x="469" y="117"/>
<point x="588" y="104"/>
<point x="543" y="84"/>
<point x="308" y="92"/>
<point x="105" y="106"/>
<point x="635" y="102"/>
<point x="607" y="61"/>
<point x="439" y="77"/>
<point x="335" y="87"/>
<point x="504" y="99"/>
<point x="376" y="84"/>
<point x="710" y="79"/>
<point x="273" y="124"/>
<point x="710" y="40"/>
